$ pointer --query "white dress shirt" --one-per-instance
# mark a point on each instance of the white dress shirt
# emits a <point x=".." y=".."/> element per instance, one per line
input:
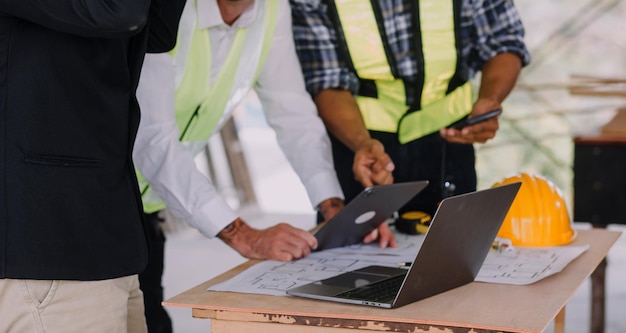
<point x="168" y="165"/>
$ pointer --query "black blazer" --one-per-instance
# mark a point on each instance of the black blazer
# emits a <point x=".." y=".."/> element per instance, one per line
<point x="69" y="201"/>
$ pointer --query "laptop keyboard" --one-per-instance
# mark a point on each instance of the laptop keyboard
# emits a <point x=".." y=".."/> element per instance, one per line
<point x="384" y="291"/>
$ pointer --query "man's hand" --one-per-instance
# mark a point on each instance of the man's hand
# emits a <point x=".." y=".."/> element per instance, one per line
<point x="372" y="166"/>
<point x="280" y="242"/>
<point x="499" y="75"/>
<point x="330" y="207"/>
<point x="479" y="132"/>
<point x="384" y="235"/>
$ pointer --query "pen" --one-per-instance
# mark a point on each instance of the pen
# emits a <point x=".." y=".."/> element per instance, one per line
<point x="404" y="264"/>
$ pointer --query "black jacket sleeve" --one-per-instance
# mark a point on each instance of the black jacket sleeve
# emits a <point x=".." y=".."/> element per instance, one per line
<point x="164" y="19"/>
<point x="88" y="18"/>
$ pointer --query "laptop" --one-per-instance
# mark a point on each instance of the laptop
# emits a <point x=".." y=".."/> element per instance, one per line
<point x="366" y="212"/>
<point x="454" y="249"/>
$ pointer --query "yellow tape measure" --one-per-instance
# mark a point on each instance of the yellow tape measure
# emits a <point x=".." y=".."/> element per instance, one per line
<point x="413" y="222"/>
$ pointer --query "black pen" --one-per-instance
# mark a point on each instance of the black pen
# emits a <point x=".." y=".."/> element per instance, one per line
<point x="404" y="264"/>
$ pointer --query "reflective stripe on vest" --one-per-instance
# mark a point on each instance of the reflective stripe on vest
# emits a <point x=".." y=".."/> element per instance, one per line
<point x="386" y="110"/>
<point x="201" y="106"/>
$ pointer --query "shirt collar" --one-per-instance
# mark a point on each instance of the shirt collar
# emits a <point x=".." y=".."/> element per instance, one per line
<point x="209" y="15"/>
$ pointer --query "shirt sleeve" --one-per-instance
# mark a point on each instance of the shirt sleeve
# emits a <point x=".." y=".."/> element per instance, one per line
<point x="166" y="163"/>
<point x="497" y="28"/>
<point x="291" y="113"/>
<point x="88" y="18"/>
<point x="164" y="19"/>
<point x="316" y="45"/>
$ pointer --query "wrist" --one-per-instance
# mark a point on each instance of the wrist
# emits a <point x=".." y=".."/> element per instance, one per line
<point x="229" y="233"/>
<point x="234" y="235"/>
<point x="364" y="143"/>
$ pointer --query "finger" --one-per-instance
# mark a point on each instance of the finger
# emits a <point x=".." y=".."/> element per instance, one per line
<point x="362" y="172"/>
<point x="311" y="244"/>
<point x="383" y="165"/>
<point x="479" y="134"/>
<point x="393" y="242"/>
<point x="300" y="242"/>
<point x="383" y="177"/>
<point x="484" y="137"/>
<point x="363" y="175"/>
<point x="385" y="236"/>
<point x="490" y="125"/>
<point x="366" y="181"/>
<point x="389" y="179"/>
<point x="300" y="251"/>
<point x="274" y="249"/>
<point x="372" y="236"/>
<point x="285" y="242"/>
<point x="286" y="252"/>
<point x="309" y="240"/>
<point x="382" y="159"/>
<point x="390" y="166"/>
<point x="450" y="134"/>
<point x="282" y="256"/>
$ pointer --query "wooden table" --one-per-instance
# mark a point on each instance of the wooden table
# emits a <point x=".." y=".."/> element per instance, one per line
<point x="481" y="307"/>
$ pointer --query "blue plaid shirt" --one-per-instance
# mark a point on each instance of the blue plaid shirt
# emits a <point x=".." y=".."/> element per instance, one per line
<point x="488" y="28"/>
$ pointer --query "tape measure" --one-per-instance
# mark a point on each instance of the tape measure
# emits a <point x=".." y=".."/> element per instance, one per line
<point x="413" y="222"/>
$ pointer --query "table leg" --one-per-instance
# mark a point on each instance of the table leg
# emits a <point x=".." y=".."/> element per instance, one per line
<point x="598" y="278"/>
<point x="559" y="321"/>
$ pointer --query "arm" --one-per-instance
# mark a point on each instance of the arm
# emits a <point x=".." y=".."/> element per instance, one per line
<point x="337" y="107"/>
<point x="330" y="82"/>
<point x="498" y="79"/>
<point x="169" y="167"/>
<point x="292" y="115"/>
<point x="164" y="18"/>
<point x="342" y="118"/>
<point x="165" y="162"/>
<point x="498" y="50"/>
<point x="89" y="18"/>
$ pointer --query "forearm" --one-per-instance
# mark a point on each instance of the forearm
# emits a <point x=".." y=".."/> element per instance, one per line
<point x="499" y="76"/>
<point x="342" y="117"/>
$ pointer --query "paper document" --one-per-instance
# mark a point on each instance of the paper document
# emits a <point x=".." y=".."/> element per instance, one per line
<point x="525" y="265"/>
<point x="521" y="265"/>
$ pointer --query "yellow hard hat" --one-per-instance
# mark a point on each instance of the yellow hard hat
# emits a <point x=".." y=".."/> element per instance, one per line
<point x="538" y="215"/>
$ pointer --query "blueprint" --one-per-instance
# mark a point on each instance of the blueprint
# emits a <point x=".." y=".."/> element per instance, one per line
<point x="525" y="265"/>
<point x="518" y="265"/>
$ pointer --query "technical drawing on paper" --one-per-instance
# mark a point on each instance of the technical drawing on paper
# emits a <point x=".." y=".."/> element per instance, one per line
<point x="521" y="265"/>
<point x="525" y="265"/>
<point x="275" y="277"/>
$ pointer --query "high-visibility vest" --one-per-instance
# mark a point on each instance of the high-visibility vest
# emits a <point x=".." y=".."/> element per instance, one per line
<point x="442" y="97"/>
<point x="202" y="107"/>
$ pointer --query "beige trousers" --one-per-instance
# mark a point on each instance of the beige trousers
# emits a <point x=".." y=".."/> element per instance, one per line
<point x="60" y="306"/>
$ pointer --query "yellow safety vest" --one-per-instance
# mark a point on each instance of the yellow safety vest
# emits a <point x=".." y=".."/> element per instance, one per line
<point x="443" y="99"/>
<point x="202" y="106"/>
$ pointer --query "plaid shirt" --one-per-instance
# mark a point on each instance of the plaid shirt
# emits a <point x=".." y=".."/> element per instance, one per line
<point x="488" y="28"/>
